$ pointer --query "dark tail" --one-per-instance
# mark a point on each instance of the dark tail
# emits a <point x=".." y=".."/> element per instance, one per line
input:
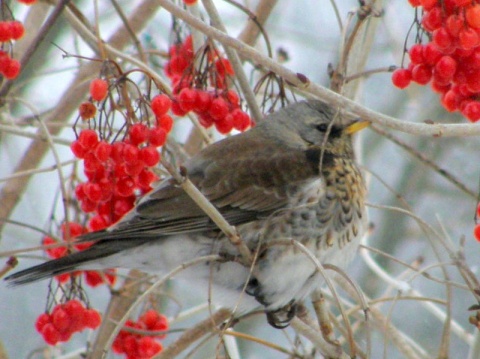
<point x="72" y="262"/>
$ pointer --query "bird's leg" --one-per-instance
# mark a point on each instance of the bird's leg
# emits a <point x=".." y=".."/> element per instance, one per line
<point x="281" y="318"/>
<point x="326" y="328"/>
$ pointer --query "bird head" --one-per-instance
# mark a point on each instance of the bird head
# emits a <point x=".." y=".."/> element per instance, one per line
<point x="314" y="125"/>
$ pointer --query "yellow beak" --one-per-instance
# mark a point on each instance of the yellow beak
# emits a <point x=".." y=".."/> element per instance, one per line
<point x="357" y="126"/>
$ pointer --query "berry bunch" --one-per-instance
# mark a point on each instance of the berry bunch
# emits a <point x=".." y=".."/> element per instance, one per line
<point x="141" y="346"/>
<point x="213" y="102"/>
<point x="116" y="171"/>
<point x="92" y="278"/>
<point x="10" y="30"/>
<point x="450" y="61"/>
<point x="65" y="320"/>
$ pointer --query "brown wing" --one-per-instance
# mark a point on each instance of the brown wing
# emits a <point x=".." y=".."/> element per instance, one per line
<point x="246" y="177"/>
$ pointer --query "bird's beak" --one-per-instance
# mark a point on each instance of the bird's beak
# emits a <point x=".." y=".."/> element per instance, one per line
<point x="357" y="126"/>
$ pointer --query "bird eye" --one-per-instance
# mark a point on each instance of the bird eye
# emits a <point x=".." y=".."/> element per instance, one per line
<point x="322" y="127"/>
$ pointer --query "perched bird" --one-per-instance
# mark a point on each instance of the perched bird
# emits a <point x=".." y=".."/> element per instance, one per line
<point x="293" y="176"/>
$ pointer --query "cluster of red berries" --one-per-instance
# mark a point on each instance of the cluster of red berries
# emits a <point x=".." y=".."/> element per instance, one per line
<point x="451" y="60"/>
<point x="218" y="106"/>
<point x="92" y="278"/>
<point x="118" y="171"/>
<point x="141" y="346"/>
<point x="10" y="30"/>
<point x="65" y="320"/>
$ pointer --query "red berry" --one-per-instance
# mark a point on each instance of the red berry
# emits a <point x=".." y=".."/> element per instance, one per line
<point x="76" y="311"/>
<point x="446" y="67"/>
<point x="187" y="98"/>
<point x="50" y="334"/>
<point x="160" y="326"/>
<point x="125" y="187"/>
<point x="150" y="318"/>
<point x="233" y="99"/>
<point x="122" y="206"/>
<point x="145" y="178"/>
<point x="27" y="2"/>
<point x="63" y="278"/>
<point x="468" y="38"/>
<point x="401" y="78"/>
<point x="103" y="151"/>
<point x="165" y="122"/>
<point x="87" y="110"/>
<point x="74" y="229"/>
<point x="224" y="67"/>
<point x="177" y="110"/>
<point x="93" y="318"/>
<point x="428" y="4"/>
<point x="92" y="165"/>
<point x="416" y="54"/>
<point x="178" y="64"/>
<point x="5" y="34"/>
<point x="476" y="232"/>
<point x="454" y="24"/>
<point x="414" y="3"/>
<point x="134" y="169"/>
<point x="93" y="192"/>
<point x="16" y="29"/>
<point x="472" y="15"/>
<point x="41" y="321"/>
<point x="241" y="120"/>
<point x="138" y="133"/>
<point x="97" y="223"/>
<point x="77" y="149"/>
<point x="93" y="279"/>
<point x="130" y="154"/>
<point x="473" y="81"/>
<point x="218" y="109"/>
<point x="157" y="136"/>
<point x="160" y="105"/>
<point x="432" y="19"/>
<point x="450" y="101"/>
<point x="89" y="139"/>
<point x="431" y="54"/>
<point x="462" y="3"/>
<point x="202" y="102"/>
<point x="117" y="151"/>
<point x="150" y="156"/>
<point x="147" y="346"/>
<point x="205" y="120"/>
<point x="442" y="39"/>
<point x="225" y="125"/>
<point x="98" y="89"/>
<point x="12" y="70"/>
<point x="189" y="2"/>
<point x="421" y="74"/>
<point x="88" y="206"/>
<point x="60" y="319"/>
<point x="472" y="111"/>
<point x="130" y="346"/>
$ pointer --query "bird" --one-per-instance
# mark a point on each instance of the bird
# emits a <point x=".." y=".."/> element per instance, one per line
<point x="293" y="176"/>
